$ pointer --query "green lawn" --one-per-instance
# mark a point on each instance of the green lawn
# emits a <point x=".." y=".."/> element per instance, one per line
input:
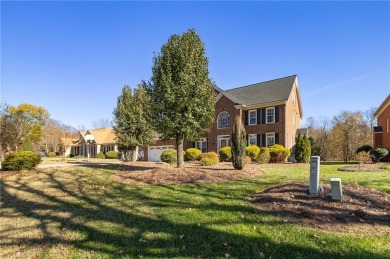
<point x="80" y="212"/>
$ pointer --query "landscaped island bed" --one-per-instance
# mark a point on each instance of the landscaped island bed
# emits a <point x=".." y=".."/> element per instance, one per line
<point x="84" y="212"/>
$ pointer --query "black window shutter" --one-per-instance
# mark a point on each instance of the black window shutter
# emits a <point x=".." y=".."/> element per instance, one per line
<point x="258" y="140"/>
<point x="263" y="117"/>
<point x="276" y="114"/>
<point x="246" y="117"/>
<point x="276" y="138"/>
<point x="263" y="140"/>
<point x="193" y="144"/>
<point x="258" y="116"/>
<point x="247" y="139"/>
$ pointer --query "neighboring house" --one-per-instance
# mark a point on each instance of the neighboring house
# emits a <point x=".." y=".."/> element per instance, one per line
<point x="382" y="130"/>
<point x="103" y="140"/>
<point x="271" y="112"/>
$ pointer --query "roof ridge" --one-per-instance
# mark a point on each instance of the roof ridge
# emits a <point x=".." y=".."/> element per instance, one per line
<point x="261" y="82"/>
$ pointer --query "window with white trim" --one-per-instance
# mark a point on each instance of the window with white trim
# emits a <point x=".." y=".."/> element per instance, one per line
<point x="252" y="117"/>
<point x="270" y="139"/>
<point x="252" y="139"/>
<point x="201" y="145"/>
<point x="223" y="141"/>
<point x="223" y="120"/>
<point x="270" y="115"/>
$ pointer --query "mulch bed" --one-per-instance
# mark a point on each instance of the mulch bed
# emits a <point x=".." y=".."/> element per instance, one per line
<point x="362" y="210"/>
<point x="156" y="173"/>
<point x="364" y="168"/>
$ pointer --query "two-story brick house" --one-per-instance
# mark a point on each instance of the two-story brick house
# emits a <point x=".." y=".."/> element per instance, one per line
<point x="271" y="112"/>
<point x="382" y="130"/>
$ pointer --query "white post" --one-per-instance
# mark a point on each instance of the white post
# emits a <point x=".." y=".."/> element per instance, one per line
<point x="88" y="146"/>
<point x="314" y="176"/>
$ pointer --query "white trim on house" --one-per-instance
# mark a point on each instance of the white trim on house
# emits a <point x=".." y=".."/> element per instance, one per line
<point x="270" y="135"/>
<point x="221" y="139"/>
<point x="225" y="123"/>
<point x="249" y="117"/>
<point x="268" y="115"/>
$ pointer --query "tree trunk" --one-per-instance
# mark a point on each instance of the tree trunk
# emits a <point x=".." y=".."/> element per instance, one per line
<point x="180" y="156"/>
<point x="134" y="155"/>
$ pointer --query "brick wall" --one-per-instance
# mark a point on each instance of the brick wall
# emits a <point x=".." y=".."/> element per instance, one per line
<point x="384" y="121"/>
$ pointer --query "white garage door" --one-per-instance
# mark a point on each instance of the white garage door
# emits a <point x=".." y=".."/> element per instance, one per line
<point x="154" y="153"/>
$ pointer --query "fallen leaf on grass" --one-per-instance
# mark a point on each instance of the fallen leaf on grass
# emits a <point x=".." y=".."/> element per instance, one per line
<point x="181" y="236"/>
<point x="227" y="255"/>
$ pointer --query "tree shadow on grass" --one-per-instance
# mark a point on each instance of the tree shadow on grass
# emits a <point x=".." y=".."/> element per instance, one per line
<point x="113" y="219"/>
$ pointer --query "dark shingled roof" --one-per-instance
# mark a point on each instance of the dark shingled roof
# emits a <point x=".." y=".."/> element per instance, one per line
<point x="265" y="92"/>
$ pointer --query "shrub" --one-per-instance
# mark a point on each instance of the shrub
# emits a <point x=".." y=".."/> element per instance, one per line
<point x="386" y="158"/>
<point x="169" y="156"/>
<point x="252" y="151"/>
<point x="100" y="155"/>
<point x="70" y="156"/>
<point x="225" y="153"/>
<point x="22" y="160"/>
<point x="278" y="153"/>
<point x="378" y="153"/>
<point x="206" y="161"/>
<point x="209" y="158"/>
<point x="192" y="154"/>
<point x="264" y="156"/>
<point x="364" y="157"/>
<point x="112" y="155"/>
<point x="365" y="148"/>
<point x="51" y="154"/>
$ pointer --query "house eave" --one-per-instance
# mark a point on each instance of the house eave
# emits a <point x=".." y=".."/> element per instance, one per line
<point x="383" y="106"/>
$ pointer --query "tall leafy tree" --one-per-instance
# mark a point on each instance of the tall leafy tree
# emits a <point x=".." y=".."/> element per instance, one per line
<point x="132" y="121"/>
<point x="181" y="91"/>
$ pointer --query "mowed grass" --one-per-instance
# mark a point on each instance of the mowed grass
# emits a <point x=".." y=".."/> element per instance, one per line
<point x="79" y="212"/>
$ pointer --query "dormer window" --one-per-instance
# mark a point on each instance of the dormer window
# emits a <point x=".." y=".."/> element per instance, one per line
<point x="223" y="120"/>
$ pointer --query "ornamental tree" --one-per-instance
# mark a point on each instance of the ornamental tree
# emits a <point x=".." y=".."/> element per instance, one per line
<point x="181" y="91"/>
<point x="238" y="144"/>
<point x="132" y="121"/>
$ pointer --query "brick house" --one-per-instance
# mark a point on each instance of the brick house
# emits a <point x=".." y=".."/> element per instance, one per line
<point x="271" y="112"/>
<point x="103" y="140"/>
<point x="382" y="130"/>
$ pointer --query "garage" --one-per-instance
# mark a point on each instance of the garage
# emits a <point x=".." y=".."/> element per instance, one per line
<point x="154" y="153"/>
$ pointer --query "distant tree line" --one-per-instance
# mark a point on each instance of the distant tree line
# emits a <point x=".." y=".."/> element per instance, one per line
<point x="339" y="137"/>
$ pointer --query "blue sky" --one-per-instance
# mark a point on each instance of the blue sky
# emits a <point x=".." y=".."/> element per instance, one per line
<point x="73" y="58"/>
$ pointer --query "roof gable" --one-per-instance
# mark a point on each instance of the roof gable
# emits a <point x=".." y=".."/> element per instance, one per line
<point x="383" y="106"/>
<point x="264" y="92"/>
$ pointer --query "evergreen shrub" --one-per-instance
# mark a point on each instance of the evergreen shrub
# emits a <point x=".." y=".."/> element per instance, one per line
<point x="169" y="156"/>
<point x="225" y="153"/>
<point x="21" y="160"/>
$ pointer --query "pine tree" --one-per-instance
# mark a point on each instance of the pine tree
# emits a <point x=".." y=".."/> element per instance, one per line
<point x="299" y="149"/>
<point x="181" y="91"/>
<point x="132" y="121"/>
<point x="307" y="149"/>
<point x="238" y="144"/>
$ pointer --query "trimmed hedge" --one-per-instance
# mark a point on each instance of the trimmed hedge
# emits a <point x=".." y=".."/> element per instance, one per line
<point x="365" y="148"/>
<point x="209" y="158"/>
<point x="225" y="153"/>
<point x="192" y="154"/>
<point x="379" y="153"/>
<point x="169" y="156"/>
<point x="112" y="155"/>
<point x="278" y="153"/>
<point x="21" y="160"/>
<point x="264" y="156"/>
<point x="52" y="154"/>
<point x="252" y="151"/>
<point x="100" y="155"/>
